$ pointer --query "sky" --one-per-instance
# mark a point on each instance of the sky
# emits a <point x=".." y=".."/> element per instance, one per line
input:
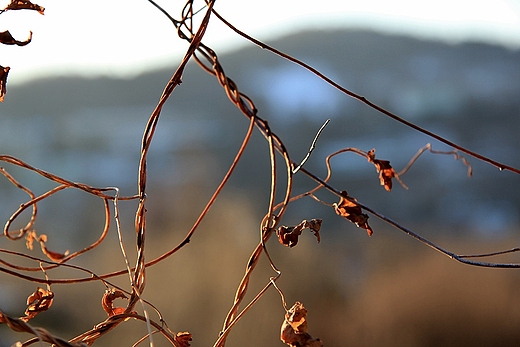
<point x="127" y="37"/>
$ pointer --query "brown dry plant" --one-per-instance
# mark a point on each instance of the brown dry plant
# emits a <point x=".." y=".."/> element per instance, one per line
<point x="192" y="27"/>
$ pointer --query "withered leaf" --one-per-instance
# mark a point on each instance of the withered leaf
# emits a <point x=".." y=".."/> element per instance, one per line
<point x="24" y="5"/>
<point x="7" y="39"/>
<point x="288" y="236"/>
<point x="352" y="211"/>
<point x="385" y="170"/>
<point x="54" y="256"/>
<point x="4" y="71"/>
<point x="107" y="302"/>
<point x="294" y="328"/>
<point x="386" y="173"/>
<point x="30" y="238"/>
<point x="39" y="301"/>
<point x="183" y="338"/>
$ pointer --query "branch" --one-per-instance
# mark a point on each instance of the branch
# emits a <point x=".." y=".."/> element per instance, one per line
<point x="364" y="100"/>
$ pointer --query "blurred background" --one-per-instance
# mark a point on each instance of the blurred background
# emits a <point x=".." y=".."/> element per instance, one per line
<point x="79" y="97"/>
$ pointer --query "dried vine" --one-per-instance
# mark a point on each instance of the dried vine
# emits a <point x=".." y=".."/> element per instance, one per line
<point x="294" y="327"/>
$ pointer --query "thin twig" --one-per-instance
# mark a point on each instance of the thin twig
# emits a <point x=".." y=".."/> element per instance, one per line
<point x="313" y="145"/>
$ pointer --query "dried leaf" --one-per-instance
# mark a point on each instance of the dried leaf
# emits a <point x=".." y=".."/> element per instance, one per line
<point x="24" y="5"/>
<point x="39" y="301"/>
<point x="386" y="173"/>
<point x="294" y="328"/>
<point x="4" y="71"/>
<point x="183" y="338"/>
<point x="54" y="256"/>
<point x="7" y="39"/>
<point x="30" y="237"/>
<point x="385" y="170"/>
<point x="288" y="236"/>
<point x="107" y="302"/>
<point x="352" y="211"/>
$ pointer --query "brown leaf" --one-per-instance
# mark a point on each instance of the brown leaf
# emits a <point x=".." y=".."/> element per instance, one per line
<point x="30" y="238"/>
<point x="54" y="256"/>
<point x="4" y="71"/>
<point x="24" y="5"/>
<point x="107" y="302"/>
<point x="385" y="170"/>
<point x="7" y="39"/>
<point x="183" y="338"/>
<point x="352" y="211"/>
<point x="39" y="301"/>
<point x="288" y="236"/>
<point x="386" y="173"/>
<point x="294" y="328"/>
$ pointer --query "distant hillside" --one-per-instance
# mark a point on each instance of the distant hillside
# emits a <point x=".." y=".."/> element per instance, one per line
<point x="468" y="93"/>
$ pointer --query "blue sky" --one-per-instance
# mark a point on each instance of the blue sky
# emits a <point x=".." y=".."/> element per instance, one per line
<point x="126" y="37"/>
